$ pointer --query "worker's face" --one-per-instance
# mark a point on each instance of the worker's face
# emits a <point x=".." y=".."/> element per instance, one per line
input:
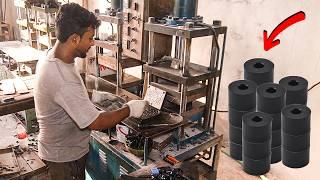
<point x="85" y="43"/>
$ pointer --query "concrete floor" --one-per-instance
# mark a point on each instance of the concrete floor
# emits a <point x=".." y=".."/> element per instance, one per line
<point x="231" y="169"/>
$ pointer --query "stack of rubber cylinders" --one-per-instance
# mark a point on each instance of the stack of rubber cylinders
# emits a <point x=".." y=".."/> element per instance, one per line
<point x="271" y="100"/>
<point x="295" y="123"/>
<point x="256" y="142"/>
<point x="295" y="135"/>
<point x="242" y="99"/>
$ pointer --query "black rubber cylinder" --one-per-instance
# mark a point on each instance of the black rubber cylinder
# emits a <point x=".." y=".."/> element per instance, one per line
<point x="235" y="116"/>
<point x="296" y="89"/>
<point x="256" y="127"/>
<point x="270" y="98"/>
<point x="275" y="154"/>
<point x="295" y="159"/>
<point x="296" y="143"/>
<point x="236" y="151"/>
<point x="242" y="95"/>
<point x="256" y="167"/>
<point x="258" y="70"/>
<point x="296" y="119"/>
<point x="276" y="146"/>
<point x="256" y="150"/>
<point x="276" y="138"/>
<point x="235" y="134"/>
<point x="276" y="121"/>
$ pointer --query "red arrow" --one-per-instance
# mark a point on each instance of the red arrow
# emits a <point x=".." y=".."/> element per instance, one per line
<point x="269" y="42"/>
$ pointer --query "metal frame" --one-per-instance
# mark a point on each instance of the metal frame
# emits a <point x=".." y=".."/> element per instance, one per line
<point x="116" y="48"/>
<point x="212" y="76"/>
<point x="48" y="30"/>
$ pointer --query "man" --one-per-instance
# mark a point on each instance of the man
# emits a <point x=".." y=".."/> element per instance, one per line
<point x="64" y="110"/>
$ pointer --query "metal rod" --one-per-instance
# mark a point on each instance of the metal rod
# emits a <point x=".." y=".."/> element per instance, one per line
<point x="216" y="155"/>
<point x="151" y="51"/>
<point x="186" y="57"/>
<point x="177" y="48"/>
<point x="219" y="81"/>
<point x="181" y="48"/>
<point x="119" y="55"/>
<point x="145" y="150"/>
<point x="178" y="138"/>
<point x="145" y="83"/>
<point x="209" y="103"/>
<point x="214" y="62"/>
<point x="183" y="99"/>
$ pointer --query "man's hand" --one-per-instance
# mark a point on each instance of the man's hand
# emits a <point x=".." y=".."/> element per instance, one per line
<point x="99" y="96"/>
<point x="137" y="107"/>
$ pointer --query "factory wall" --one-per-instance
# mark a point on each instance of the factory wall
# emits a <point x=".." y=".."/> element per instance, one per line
<point x="297" y="54"/>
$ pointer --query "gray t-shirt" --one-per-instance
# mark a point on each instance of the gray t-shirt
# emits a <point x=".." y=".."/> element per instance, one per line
<point x="64" y="111"/>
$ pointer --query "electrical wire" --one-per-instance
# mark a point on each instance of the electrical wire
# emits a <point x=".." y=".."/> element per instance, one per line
<point x="112" y="31"/>
<point x="313" y="86"/>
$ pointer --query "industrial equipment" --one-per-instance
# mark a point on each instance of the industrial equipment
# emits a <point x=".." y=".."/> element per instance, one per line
<point x="160" y="33"/>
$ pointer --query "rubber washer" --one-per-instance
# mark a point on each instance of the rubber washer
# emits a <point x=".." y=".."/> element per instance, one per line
<point x="256" y="150"/>
<point x="242" y="95"/>
<point x="270" y="98"/>
<point x="296" y="119"/>
<point x="297" y="89"/>
<point x="256" y="167"/>
<point x="275" y="154"/>
<point x="235" y="116"/>
<point x="296" y="143"/>
<point x="276" y="121"/>
<point x="259" y="70"/>
<point x="276" y="138"/>
<point x="256" y="127"/>
<point x="295" y="159"/>
<point x="236" y="151"/>
<point x="235" y="134"/>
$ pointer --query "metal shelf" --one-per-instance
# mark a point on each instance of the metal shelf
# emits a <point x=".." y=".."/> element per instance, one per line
<point x="45" y="10"/>
<point x="107" y="18"/>
<point x="127" y="80"/>
<point x="111" y="45"/>
<point x="197" y="73"/>
<point x="173" y="89"/>
<point x="43" y="28"/>
<point x="111" y="62"/>
<point x="182" y="32"/>
<point x="197" y="107"/>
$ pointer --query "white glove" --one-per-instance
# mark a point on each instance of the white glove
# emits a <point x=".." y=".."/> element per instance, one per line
<point x="137" y="107"/>
<point x="99" y="96"/>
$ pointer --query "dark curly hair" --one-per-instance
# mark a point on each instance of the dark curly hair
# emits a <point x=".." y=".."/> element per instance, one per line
<point x="72" y="18"/>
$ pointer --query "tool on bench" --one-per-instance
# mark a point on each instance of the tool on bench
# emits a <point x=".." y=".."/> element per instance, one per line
<point x="170" y="159"/>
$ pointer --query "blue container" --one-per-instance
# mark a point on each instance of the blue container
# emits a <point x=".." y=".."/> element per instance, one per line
<point x="185" y="8"/>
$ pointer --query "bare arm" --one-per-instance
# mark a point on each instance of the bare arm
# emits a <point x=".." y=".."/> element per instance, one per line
<point x="109" y="119"/>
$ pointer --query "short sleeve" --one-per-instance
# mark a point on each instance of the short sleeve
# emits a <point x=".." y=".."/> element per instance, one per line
<point x="75" y="101"/>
